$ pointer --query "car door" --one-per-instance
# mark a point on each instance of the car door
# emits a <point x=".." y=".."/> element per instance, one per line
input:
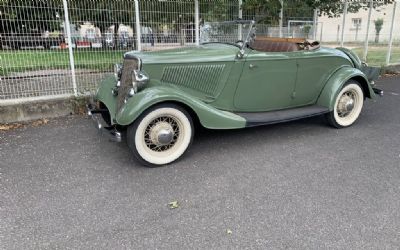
<point x="267" y="82"/>
<point x="314" y="69"/>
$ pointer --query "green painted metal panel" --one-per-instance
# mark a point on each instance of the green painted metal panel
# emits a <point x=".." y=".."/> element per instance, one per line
<point x="204" y="53"/>
<point x="209" y="116"/>
<point x="336" y="82"/>
<point x="312" y="75"/>
<point x="267" y="82"/>
<point x="225" y="99"/>
<point x="104" y="95"/>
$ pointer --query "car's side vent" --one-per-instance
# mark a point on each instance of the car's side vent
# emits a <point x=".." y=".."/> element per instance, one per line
<point x="204" y="78"/>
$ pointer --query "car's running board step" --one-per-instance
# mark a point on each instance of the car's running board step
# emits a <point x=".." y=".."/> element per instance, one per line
<point x="264" y="118"/>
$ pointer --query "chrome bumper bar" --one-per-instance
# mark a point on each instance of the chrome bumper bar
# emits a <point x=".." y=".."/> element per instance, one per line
<point x="109" y="132"/>
<point x="378" y="91"/>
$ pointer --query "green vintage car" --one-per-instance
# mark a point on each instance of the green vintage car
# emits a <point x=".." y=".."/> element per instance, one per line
<point x="158" y="96"/>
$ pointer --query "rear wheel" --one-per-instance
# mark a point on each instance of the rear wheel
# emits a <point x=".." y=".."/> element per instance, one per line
<point x="348" y="106"/>
<point x="161" y="135"/>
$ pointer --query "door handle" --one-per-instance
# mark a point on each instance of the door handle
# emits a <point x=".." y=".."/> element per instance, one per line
<point x="252" y="66"/>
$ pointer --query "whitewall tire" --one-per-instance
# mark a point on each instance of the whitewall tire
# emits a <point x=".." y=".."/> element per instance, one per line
<point x="161" y="135"/>
<point x="348" y="105"/>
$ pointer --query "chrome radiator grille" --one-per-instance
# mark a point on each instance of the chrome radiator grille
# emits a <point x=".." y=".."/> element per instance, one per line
<point x="126" y="80"/>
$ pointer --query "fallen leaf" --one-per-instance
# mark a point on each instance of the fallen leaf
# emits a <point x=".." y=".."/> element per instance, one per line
<point x="6" y="127"/>
<point x="173" y="204"/>
<point x="39" y="122"/>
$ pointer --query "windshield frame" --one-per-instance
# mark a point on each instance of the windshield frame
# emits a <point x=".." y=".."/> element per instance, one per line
<point x="251" y="32"/>
<point x="249" y="35"/>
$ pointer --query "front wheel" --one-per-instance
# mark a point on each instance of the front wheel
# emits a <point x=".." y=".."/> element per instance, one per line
<point x="348" y="105"/>
<point x="161" y="135"/>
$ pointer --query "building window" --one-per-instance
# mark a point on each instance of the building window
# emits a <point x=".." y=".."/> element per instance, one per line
<point x="356" y="23"/>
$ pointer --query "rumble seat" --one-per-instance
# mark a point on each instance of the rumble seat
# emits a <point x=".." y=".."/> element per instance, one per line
<point x="275" y="44"/>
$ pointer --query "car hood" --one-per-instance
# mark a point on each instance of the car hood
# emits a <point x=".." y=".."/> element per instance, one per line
<point x="202" y="53"/>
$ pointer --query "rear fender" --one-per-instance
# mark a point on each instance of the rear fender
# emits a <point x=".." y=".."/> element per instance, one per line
<point x="336" y="82"/>
<point x="209" y="116"/>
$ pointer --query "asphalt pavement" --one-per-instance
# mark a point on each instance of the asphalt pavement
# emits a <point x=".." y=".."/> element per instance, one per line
<point x="298" y="185"/>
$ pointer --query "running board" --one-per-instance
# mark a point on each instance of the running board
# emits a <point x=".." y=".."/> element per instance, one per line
<point x="271" y="117"/>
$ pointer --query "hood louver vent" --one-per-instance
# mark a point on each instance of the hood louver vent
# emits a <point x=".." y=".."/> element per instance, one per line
<point x="204" y="78"/>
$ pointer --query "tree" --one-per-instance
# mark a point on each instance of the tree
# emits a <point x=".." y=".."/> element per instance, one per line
<point x="378" y="27"/>
<point x="264" y="11"/>
<point x="306" y="30"/>
<point x="27" y="16"/>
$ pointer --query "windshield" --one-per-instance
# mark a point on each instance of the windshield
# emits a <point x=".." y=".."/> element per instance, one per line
<point x="238" y="33"/>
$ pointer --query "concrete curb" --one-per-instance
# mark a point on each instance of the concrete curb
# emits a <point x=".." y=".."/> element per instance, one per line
<point x="28" y="111"/>
<point x="391" y="69"/>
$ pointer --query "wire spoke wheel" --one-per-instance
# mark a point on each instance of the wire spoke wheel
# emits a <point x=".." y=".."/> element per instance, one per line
<point x="348" y="105"/>
<point x="161" y="135"/>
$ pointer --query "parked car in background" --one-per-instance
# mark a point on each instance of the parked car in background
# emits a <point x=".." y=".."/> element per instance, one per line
<point x="123" y="40"/>
<point x="108" y="40"/>
<point x="159" y="96"/>
<point x="19" y="41"/>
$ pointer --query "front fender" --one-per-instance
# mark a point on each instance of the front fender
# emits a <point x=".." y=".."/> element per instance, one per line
<point x="209" y="116"/>
<point x="104" y="94"/>
<point x="336" y="82"/>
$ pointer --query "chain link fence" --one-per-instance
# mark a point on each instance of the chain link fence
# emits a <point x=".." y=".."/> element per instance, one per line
<point x="58" y="48"/>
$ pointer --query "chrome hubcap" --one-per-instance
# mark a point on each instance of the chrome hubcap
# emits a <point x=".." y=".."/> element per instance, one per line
<point x="165" y="136"/>
<point x="162" y="134"/>
<point x="346" y="103"/>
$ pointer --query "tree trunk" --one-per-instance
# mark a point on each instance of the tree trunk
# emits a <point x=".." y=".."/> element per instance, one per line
<point x="377" y="38"/>
<point x="116" y="40"/>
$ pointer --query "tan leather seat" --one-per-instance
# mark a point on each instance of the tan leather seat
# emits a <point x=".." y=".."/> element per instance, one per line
<point x="274" y="46"/>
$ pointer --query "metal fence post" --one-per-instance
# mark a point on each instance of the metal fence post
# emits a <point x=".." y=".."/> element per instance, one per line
<point x="371" y="6"/>
<point x="281" y="20"/>
<point x="197" y="18"/>
<point x="391" y="34"/>
<point x="240" y="31"/>
<point x="138" y="32"/>
<point x="322" y="29"/>
<point x="71" y="53"/>
<point x="315" y="24"/>
<point x="343" y="23"/>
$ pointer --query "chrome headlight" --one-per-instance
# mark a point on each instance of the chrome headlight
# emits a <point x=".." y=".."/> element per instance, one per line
<point x="139" y="79"/>
<point x="117" y="71"/>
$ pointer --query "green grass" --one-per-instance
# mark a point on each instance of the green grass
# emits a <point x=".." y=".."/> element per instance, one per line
<point x="29" y="60"/>
<point x="377" y="55"/>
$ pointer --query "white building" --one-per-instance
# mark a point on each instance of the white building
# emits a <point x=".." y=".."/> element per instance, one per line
<point x="355" y="28"/>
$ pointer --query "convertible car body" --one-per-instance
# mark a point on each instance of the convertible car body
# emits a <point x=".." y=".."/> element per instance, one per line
<point x="158" y="95"/>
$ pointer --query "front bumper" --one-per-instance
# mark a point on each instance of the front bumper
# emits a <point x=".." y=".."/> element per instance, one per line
<point x="109" y="132"/>
<point x="377" y="91"/>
